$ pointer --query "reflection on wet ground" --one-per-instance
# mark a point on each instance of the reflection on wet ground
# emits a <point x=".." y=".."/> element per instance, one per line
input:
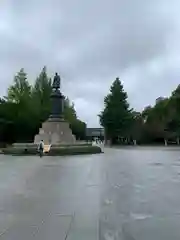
<point x="129" y="194"/>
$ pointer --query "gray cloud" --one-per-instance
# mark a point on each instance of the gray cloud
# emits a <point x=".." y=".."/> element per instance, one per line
<point x="92" y="42"/>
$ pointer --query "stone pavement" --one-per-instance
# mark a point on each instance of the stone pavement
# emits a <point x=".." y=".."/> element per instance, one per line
<point x="128" y="194"/>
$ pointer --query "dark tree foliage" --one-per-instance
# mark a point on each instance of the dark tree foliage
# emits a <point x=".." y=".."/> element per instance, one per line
<point x="155" y="124"/>
<point x="26" y="106"/>
<point x="116" y="116"/>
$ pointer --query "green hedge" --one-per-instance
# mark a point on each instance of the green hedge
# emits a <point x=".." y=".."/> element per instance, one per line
<point x="55" y="151"/>
<point x="20" y="151"/>
<point x="33" y="145"/>
<point x="71" y="145"/>
<point x="74" y="150"/>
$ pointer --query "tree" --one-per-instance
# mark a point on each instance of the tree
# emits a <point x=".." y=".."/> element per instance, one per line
<point x="20" y="91"/>
<point x="161" y="123"/>
<point x="78" y="127"/>
<point x="41" y="92"/>
<point x="69" y="111"/>
<point x="137" y="127"/>
<point x="8" y="113"/>
<point x="116" y="118"/>
<point x="25" y="107"/>
<point x="173" y="123"/>
<point x="19" y="94"/>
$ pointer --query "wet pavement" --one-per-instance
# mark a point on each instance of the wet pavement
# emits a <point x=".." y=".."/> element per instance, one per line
<point x="128" y="194"/>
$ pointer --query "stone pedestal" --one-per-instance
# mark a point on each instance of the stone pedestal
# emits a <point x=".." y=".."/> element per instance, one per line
<point x="57" y="106"/>
<point x="55" y="131"/>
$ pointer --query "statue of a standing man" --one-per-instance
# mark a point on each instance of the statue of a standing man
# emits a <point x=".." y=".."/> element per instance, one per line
<point x="56" y="82"/>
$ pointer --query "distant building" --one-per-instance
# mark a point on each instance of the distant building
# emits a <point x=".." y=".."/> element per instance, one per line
<point x="95" y="132"/>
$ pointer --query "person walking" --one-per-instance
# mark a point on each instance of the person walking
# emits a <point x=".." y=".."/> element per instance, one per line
<point x="41" y="148"/>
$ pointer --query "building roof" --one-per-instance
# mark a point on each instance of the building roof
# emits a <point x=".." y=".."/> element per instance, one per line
<point x="94" y="132"/>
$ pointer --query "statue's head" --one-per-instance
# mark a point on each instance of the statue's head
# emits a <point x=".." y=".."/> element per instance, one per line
<point x="56" y="74"/>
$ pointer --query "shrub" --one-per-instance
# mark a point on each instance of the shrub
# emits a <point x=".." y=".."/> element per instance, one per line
<point x="20" y="151"/>
<point x="74" y="150"/>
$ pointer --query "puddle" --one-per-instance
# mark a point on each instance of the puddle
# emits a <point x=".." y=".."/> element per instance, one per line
<point x="108" y="202"/>
<point x="156" y="164"/>
<point x="138" y="186"/>
<point x="136" y="216"/>
<point x="92" y="185"/>
<point x="110" y="235"/>
<point x="118" y="186"/>
<point x="176" y="164"/>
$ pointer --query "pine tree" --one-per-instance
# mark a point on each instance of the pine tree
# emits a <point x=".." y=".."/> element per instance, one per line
<point x="116" y="116"/>
<point x="20" y="91"/>
<point x="41" y="95"/>
<point x="69" y="111"/>
<point x="42" y="88"/>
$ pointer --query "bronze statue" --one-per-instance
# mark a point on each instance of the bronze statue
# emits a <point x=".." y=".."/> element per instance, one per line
<point x="56" y="82"/>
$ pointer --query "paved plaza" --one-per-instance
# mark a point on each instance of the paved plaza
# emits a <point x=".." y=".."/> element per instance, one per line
<point x="128" y="193"/>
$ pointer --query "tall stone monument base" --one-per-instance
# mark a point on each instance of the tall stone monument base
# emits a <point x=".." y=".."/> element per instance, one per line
<point x="55" y="131"/>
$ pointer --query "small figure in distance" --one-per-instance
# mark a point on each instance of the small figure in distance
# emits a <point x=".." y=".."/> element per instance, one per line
<point x="41" y="148"/>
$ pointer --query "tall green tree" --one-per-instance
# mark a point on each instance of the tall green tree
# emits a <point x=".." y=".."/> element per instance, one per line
<point x="25" y="107"/>
<point x="41" y="92"/>
<point x="137" y="127"/>
<point x="20" y="95"/>
<point x="20" y="90"/>
<point x="116" y="118"/>
<point x="69" y="111"/>
<point x="173" y="120"/>
<point x="159" y="121"/>
<point x="8" y="117"/>
<point x="78" y="127"/>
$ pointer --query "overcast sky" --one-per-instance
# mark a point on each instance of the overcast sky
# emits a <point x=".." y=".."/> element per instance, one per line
<point x="90" y="43"/>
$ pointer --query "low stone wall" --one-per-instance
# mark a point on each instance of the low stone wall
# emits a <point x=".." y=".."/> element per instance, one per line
<point x="54" y="151"/>
<point x="23" y="145"/>
<point x="29" y="145"/>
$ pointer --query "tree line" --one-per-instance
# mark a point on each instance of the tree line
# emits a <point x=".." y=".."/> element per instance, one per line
<point x="26" y="106"/>
<point x="158" y="124"/>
